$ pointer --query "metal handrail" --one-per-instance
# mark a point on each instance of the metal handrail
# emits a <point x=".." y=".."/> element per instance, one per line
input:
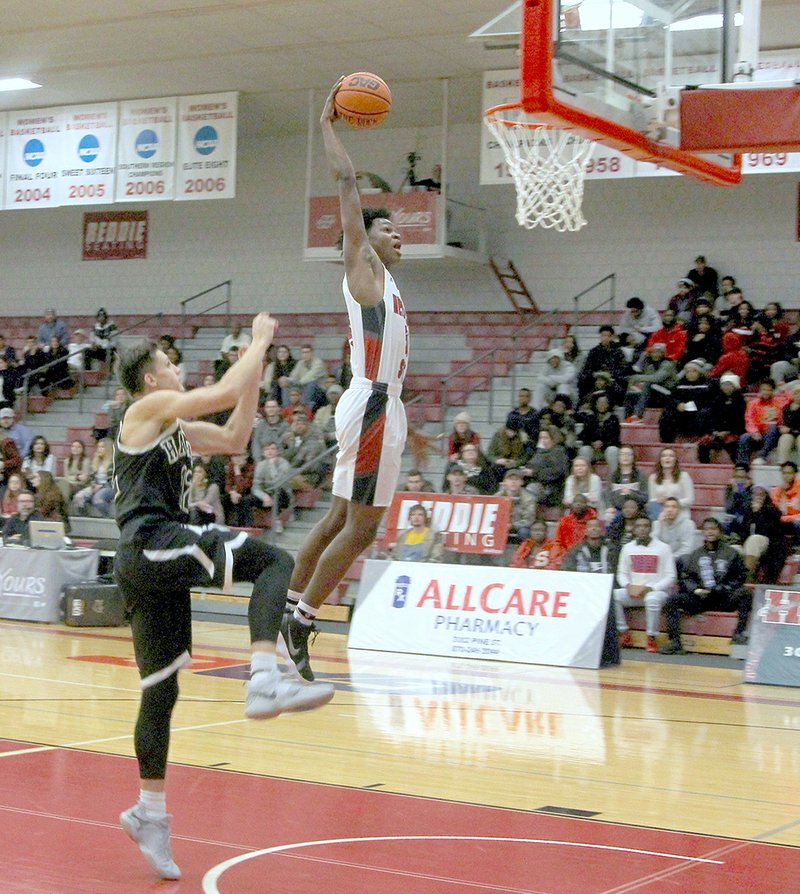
<point x="226" y="301"/>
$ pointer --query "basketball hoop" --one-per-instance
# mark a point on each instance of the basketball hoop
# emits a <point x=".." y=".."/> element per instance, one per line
<point x="548" y="166"/>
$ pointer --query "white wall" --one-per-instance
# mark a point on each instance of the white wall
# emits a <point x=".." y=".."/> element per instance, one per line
<point x="647" y="230"/>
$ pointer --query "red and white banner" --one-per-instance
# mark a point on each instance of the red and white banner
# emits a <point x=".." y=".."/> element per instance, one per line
<point x="89" y="153"/>
<point x="206" y="147"/>
<point x="413" y="213"/>
<point x="114" y="235"/>
<point x="146" y="150"/>
<point x="478" y="611"/>
<point x="468" y="524"/>
<point x="34" y="159"/>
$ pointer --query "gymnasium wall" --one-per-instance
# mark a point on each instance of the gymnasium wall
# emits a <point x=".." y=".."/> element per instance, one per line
<point x="647" y="230"/>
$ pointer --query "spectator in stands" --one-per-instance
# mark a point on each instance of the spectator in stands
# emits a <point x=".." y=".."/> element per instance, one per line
<point x="526" y="415"/>
<point x="234" y="340"/>
<point x="668" y="480"/>
<point x="509" y="447"/>
<point x="77" y="468"/>
<point x="7" y="353"/>
<point x="14" y="487"/>
<point x="10" y="460"/>
<point x="460" y="435"/>
<point x="761" y="533"/>
<point x="672" y="335"/>
<point x="734" y="358"/>
<point x="601" y="434"/>
<point x="787" y="366"/>
<point x="114" y="410"/>
<point x="583" y="480"/>
<point x="571" y="527"/>
<point x="15" y="529"/>
<point x="786" y="497"/>
<point x="30" y="368"/>
<point x="20" y="434"/>
<point x="9" y="382"/>
<point x="682" y="302"/>
<point x="638" y="323"/>
<point x="295" y="405"/>
<point x="271" y="482"/>
<point x="711" y="579"/>
<point x="704" y="278"/>
<point x="76" y="353"/>
<point x="703" y="310"/>
<point x="523" y="506"/>
<point x="301" y="444"/>
<point x="480" y="473"/>
<point x="98" y="495"/>
<point x="205" y="502"/>
<point x="416" y="483"/>
<point x="731" y="298"/>
<point x="237" y="501"/>
<point x="103" y="340"/>
<point x="56" y="373"/>
<point x="627" y="481"/>
<point x="725" y="420"/>
<point x="704" y="343"/>
<point x="742" y="321"/>
<point x="738" y="493"/>
<point x="676" y="529"/>
<point x="343" y="373"/>
<point x="419" y="542"/>
<point x="762" y="420"/>
<point x="572" y="353"/>
<point x="176" y="359"/>
<point x="603" y="387"/>
<point x="49" y="501"/>
<point x="789" y="438"/>
<point x="606" y="356"/>
<point x="549" y="467"/>
<point x="538" y="550"/>
<point x="38" y="459"/>
<point x="223" y="364"/>
<point x="309" y="373"/>
<point x="275" y="383"/>
<point x="688" y="406"/>
<point x="770" y="336"/>
<point x="620" y="529"/>
<point x="645" y="575"/>
<point x="558" y="377"/>
<point x="52" y="326"/>
<point x="456" y="482"/>
<point x="650" y="387"/>
<point x="325" y="418"/>
<point x="271" y="427"/>
<point x="561" y="416"/>
<point x="165" y="341"/>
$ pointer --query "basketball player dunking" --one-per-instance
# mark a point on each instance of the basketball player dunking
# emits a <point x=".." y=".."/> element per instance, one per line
<point x="370" y="417"/>
<point x="160" y="557"/>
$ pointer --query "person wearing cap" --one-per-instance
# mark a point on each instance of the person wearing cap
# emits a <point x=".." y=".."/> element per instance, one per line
<point x="558" y="377"/>
<point x="725" y="420"/>
<point x="682" y="302"/>
<point x="671" y="334"/>
<point x="460" y="435"/>
<point x="523" y="506"/>
<point x="650" y="387"/>
<point x="103" y="340"/>
<point x="686" y="411"/>
<point x="789" y="439"/>
<point x="50" y="327"/>
<point x="509" y="447"/>
<point x="705" y="278"/>
<point x="325" y="418"/>
<point x="638" y="323"/>
<point x="20" y="434"/>
<point x="606" y="356"/>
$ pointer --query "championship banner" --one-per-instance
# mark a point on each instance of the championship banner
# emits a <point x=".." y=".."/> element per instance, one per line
<point x="34" y="159"/>
<point x="413" y="213"/>
<point x="206" y="147"/>
<point x="773" y="653"/>
<point x="114" y="235"/>
<point x="468" y="524"/>
<point x="478" y="611"/>
<point x="146" y="150"/>
<point x="89" y="150"/>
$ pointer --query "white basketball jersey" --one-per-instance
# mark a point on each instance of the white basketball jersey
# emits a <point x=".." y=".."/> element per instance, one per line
<point x="378" y="335"/>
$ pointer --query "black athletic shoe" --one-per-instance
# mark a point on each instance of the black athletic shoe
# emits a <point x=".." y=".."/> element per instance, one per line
<point x="672" y="647"/>
<point x="739" y="639"/>
<point x="295" y="637"/>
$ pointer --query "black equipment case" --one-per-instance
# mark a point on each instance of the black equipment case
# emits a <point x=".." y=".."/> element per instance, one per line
<point x="95" y="603"/>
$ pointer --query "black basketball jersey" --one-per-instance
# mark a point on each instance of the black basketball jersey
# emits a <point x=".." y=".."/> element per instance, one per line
<point x="152" y="483"/>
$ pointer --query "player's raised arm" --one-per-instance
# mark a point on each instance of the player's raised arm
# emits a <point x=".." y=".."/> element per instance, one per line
<point x="363" y="267"/>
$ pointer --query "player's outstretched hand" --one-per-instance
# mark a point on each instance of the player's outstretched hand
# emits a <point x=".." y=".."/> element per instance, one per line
<point x="264" y="327"/>
<point x="329" y="111"/>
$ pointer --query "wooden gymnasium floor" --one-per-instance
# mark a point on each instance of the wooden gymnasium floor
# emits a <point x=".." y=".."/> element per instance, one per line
<point x="423" y="776"/>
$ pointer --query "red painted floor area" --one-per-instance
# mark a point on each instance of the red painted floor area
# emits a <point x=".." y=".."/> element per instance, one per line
<point x="236" y="834"/>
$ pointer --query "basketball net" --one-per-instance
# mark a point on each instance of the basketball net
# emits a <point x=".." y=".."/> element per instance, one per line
<point x="548" y="167"/>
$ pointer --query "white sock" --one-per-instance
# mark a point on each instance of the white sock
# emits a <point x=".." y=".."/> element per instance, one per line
<point x="262" y="661"/>
<point x="154" y="803"/>
<point x="292" y="598"/>
<point x="305" y="614"/>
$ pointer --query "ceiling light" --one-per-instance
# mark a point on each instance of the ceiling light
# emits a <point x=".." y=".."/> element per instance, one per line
<point x="17" y="84"/>
<point x="704" y="22"/>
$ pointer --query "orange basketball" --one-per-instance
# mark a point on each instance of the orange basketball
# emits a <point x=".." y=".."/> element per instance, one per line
<point x="363" y="100"/>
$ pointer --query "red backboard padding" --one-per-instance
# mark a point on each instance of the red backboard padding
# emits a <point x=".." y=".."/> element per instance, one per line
<point x="756" y="119"/>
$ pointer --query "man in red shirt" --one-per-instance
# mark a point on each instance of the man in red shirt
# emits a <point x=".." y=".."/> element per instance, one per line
<point x="761" y="420"/>
<point x="571" y="527"/>
<point x="786" y="496"/>
<point x="672" y="335"/>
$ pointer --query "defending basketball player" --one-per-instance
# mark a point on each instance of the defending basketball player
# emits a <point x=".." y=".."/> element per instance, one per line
<point x="370" y="417"/>
<point x="160" y="557"/>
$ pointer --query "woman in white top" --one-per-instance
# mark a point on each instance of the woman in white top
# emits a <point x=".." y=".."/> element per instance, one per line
<point x="668" y="481"/>
<point x="583" y="480"/>
<point x="39" y="459"/>
<point x="99" y="491"/>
